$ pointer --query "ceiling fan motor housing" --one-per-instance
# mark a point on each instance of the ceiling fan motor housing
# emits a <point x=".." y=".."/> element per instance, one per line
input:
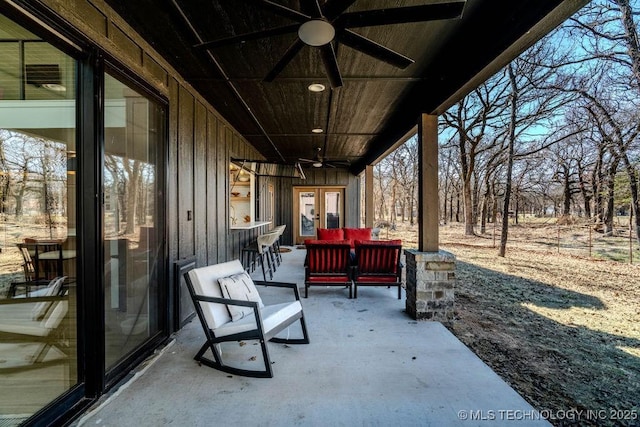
<point x="316" y="32"/>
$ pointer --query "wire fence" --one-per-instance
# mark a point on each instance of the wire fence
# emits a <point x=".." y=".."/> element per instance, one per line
<point x="541" y="234"/>
<point x="584" y="240"/>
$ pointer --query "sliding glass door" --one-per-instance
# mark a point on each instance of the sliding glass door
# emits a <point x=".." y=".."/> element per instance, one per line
<point x="132" y="218"/>
<point x="38" y="268"/>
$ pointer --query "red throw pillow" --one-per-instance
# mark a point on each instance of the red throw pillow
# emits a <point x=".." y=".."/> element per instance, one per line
<point x="357" y="233"/>
<point x="330" y="234"/>
<point x="354" y="234"/>
<point x="379" y="242"/>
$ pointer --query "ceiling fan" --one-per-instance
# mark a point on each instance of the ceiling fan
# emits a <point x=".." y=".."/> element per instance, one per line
<point x="318" y="161"/>
<point x="322" y="26"/>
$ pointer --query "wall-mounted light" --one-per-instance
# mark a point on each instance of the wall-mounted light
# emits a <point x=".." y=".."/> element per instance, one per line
<point x="316" y="32"/>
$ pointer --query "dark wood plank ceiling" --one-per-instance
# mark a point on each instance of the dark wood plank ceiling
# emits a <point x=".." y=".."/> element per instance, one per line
<point x="378" y="103"/>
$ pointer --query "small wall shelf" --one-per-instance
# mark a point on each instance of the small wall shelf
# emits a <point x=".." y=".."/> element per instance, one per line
<point x="241" y="197"/>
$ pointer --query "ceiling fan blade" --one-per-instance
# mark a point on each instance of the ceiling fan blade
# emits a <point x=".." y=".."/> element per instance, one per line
<point x="286" y="58"/>
<point x="333" y="8"/>
<point x="249" y="36"/>
<point x="307" y="160"/>
<point x="311" y="7"/>
<point x="329" y="165"/>
<point x="283" y="11"/>
<point x="401" y="15"/>
<point x="371" y="48"/>
<point x="331" y="65"/>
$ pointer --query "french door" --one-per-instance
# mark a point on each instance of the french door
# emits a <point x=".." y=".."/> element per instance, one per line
<point x="316" y="207"/>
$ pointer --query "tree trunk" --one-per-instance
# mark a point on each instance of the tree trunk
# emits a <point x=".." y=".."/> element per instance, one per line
<point x="609" y="209"/>
<point x="512" y="136"/>
<point x="596" y="183"/>
<point x="586" y="197"/>
<point x="485" y="209"/>
<point x="566" y="183"/>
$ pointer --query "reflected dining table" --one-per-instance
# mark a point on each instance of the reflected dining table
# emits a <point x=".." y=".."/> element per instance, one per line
<point x="58" y="256"/>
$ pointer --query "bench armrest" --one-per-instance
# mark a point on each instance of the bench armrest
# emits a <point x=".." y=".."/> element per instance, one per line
<point x="227" y="301"/>
<point x="293" y="286"/>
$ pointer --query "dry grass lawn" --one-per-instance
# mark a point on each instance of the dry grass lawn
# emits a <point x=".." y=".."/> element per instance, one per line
<point x="563" y="330"/>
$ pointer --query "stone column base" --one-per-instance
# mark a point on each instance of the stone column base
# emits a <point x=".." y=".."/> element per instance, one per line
<point x="430" y="285"/>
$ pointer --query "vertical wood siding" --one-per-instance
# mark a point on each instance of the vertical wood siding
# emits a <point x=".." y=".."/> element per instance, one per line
<point x="200" y="142"/>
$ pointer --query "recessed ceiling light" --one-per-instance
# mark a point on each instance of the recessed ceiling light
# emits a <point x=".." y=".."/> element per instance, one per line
<point x="316" y="87"/>
<point x="317" y="130"/>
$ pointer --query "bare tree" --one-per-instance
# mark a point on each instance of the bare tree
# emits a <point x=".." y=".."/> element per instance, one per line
<point x="472" y="120"/>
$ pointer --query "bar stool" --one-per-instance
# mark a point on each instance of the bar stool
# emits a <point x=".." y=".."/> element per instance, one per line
<point x="280" y="231"/>
<point x="257" y="251"/>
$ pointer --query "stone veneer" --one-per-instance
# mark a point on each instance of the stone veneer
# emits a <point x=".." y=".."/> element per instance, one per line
<point x="430" y="283"/>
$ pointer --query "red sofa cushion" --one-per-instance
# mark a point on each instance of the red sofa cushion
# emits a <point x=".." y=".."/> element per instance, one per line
<point x="329" y="279"/>
<point x="378" y="279"/>
<point x="378" y="242"/>
<point x="330" y="234"/>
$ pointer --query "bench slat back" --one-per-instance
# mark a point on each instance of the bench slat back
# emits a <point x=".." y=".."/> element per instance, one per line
<point x="205" y="282"/>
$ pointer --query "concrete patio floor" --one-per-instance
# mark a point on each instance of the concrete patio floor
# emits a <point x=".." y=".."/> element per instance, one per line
<point x="368" y="364"/>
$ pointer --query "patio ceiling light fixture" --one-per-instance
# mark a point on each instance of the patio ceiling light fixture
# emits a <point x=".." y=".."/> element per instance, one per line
<point x="317" y="130"/>
<point x="316" y="87"/>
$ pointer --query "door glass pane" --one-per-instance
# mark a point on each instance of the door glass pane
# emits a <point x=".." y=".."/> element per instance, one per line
<point x="332" y="209"/>
<point x="131" y="217"/>
<point x="38" y="351"/>
<point x="307" y="213"/>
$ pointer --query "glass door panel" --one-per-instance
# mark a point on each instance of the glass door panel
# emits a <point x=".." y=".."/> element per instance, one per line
<point x="321" y="207"/>
<point x="332" y="209"/>
<point x="307" y="214"/>
<point x="38" y="339"/>
<point x="131" y="212"/>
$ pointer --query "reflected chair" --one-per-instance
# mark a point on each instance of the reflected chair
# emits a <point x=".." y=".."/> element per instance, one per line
<point x="231" y="310"/>
<point x="28" y="265"/>
<point x="42" y="260"/>
<point x="328" y="263"/>
<point x="35" y="323"/>
<point x="378" y="264"/>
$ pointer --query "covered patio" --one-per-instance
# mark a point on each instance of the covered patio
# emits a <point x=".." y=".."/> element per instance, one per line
<point x="368" y="363"/>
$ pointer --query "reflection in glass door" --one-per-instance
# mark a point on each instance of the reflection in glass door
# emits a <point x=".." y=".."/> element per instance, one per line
<point x="332" y="208"/>
<point x="38" y="280"/>
<point x="134" y="132"/>
<point x="307" y="209"/>
<point x="316" y="207"/>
